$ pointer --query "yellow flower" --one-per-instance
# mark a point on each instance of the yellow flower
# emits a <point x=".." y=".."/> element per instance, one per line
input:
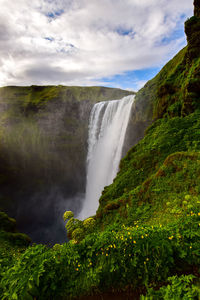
<point x="142" y="236"/>
<point x="199" y="214"/>
<point x="134" y="242"/>
<point x="190" y="247"/>
<point x="147" y="259"/>
<point x="106" y="254"/>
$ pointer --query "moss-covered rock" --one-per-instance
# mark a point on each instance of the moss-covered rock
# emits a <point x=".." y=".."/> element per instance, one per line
<point x="196" y="8"/>
<point x="9" y="234"/>
<point x="6" y="223"/>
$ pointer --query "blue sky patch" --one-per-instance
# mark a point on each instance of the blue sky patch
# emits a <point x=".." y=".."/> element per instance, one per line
<point x="131" y="79"/>
<point x="55" y="14"/>
<point x="48" y="38"/>
<point x="124" y="31"/>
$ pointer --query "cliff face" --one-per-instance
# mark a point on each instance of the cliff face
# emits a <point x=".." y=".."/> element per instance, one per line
<point x="43" y="147"/>
<point x="157" y="172"/>
<point x="196" y="8"/>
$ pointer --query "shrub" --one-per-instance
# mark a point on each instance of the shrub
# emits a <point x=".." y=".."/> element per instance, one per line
<point x="71" y="225"/>
<point x="68" y="215"/>
<point x="180" y="288"/>
<point x="78" y="234"/>
<point x="89" y="224"/>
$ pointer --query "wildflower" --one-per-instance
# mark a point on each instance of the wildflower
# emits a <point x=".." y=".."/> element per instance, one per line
<point x="147" y="259"/>
<point x="144" y="262"/>
<point x="198" y="213"/>
<point x="190" y="247"/>
<point x="106" y="254"/>
<point x="170" y="237"/>
<point x="142" y="236"/>
<point x="134" y="242"/>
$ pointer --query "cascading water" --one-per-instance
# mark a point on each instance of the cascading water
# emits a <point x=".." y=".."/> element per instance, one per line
<point x="107" y="129"/>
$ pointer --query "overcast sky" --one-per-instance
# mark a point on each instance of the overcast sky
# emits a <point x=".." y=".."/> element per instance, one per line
<point x="118" y="43"/>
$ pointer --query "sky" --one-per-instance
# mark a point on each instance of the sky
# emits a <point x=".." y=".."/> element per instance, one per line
<point x="115" y="43"/>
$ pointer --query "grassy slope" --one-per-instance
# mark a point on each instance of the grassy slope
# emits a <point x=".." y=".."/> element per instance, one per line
<point x="173" y="96"/>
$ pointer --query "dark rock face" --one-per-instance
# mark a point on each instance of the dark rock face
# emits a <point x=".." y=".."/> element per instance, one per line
<point x="192" y="30"/>
<point x="9" y="233"/>
<point x="196" y="8"/>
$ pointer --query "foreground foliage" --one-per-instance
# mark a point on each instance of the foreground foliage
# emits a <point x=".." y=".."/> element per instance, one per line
<point x="135" y="256"/>
<point x="180" y="288"/>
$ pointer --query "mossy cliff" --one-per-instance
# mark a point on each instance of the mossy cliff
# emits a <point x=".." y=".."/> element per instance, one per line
<point x="161" y="167"/>
<point x="43" y="147"/>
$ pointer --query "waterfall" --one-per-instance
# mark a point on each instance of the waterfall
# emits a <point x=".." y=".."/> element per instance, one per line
<point x="107" y="129"/>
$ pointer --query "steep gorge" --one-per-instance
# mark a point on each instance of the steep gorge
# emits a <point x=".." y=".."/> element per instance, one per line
<point x="43" y="148"/>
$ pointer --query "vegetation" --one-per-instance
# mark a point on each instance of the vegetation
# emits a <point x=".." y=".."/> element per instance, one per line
<point x="120" y="257"/>
<point x="76" y="229"/>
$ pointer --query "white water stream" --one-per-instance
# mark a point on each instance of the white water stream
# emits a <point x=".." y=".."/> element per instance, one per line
<point x="107" y="129"/>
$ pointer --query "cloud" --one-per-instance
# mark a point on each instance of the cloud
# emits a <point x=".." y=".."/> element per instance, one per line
<point x="79" y="42"/>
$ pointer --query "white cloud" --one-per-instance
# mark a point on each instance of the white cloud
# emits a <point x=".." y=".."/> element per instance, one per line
<point x="78" y="42"/>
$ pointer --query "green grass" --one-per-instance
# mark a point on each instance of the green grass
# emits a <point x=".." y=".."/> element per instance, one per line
<point x="158" y="169"/>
